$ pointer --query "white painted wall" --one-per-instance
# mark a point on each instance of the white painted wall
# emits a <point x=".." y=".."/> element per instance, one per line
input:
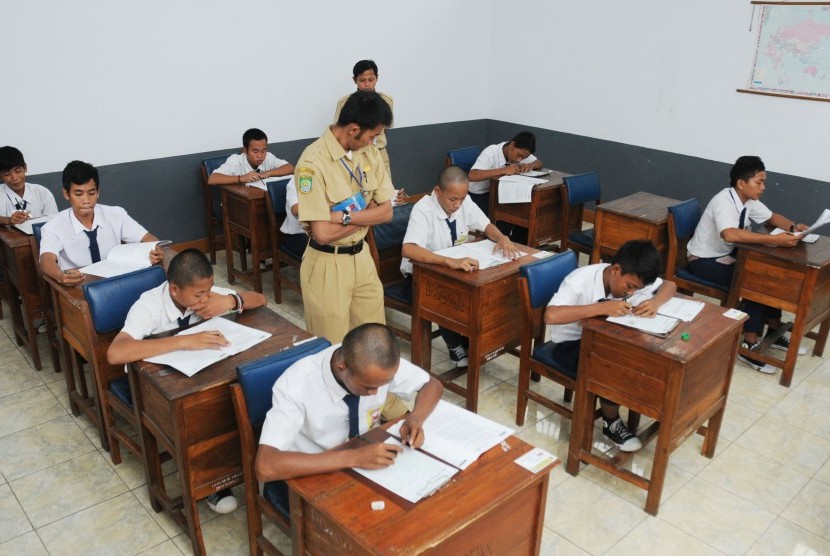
<point x="653" y="73"/>
<point x="118" y="81"/>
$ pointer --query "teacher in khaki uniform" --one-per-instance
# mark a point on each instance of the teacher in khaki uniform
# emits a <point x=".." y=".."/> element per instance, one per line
<point x="341" y="288"/>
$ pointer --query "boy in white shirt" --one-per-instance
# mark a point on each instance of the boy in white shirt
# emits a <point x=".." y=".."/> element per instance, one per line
<point x="253" y="164"/>
<point x="19" y="200"/>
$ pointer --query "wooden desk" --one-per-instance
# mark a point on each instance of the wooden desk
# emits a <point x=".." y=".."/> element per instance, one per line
<point x="793" y="279"/>
<point x="638" y="216"/>
<point x="244" y="217"/>
<point x="681" y="384"/>
<point x="482" y="305"/>
<point x="192" y="419"/>
<point x="492" y="507"/>
<point x="22" y="289"/>
<point x="542" y="216"/>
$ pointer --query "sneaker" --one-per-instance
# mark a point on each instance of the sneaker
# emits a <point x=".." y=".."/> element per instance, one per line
<point x="222" y="502"/>
<point x="754" y="363"/>
<point x="783" y="343"/>
<point x="618" y="433"/>
<point x="459" y="355"/>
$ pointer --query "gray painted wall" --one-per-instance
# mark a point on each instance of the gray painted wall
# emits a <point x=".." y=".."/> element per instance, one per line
<point x="165" y="195"/>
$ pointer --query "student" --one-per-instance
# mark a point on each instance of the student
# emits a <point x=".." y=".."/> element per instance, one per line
<point x="295" y="238"/>
<point x="442" y="220"/>
<point x="253" y="164"/>
<point x="603" y="289"/>
<point x="365" y="76"/>
<point x="87" y="231"/>
<point x="504" y="159"/>
<point x="726" y="221"/>
<point x="19" y="200"/>
<point x="187" y="297"/>
<point x="310" y="414"/>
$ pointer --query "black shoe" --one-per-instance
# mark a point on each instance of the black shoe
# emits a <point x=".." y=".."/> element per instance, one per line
<point x="618" y="433"/>
<point x="754" y="363"/>
<point x="459" y="355"/>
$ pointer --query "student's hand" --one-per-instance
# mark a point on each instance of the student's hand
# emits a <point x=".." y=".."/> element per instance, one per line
<point x="784" y="240"/>
<point x="616" y="308"/>
<point x="401" y="196"/>
<point x="376" y="456"/>
<point x="71" y="277"/>
<point x="213" y="305"/>
<point x="801" y="227"/>
<point x="209" y="339"/>
<point x="466" y="264"/>
<point x="156" y="256"/>
<point x="511" y="169"/>
<point x="249" y="177"/>
<point x="647" y="308"/>
<point x="19" y="216"/>
<point x="524" y="168"/>
<point x="507" y="248"/>
<point x="412" y="432"/>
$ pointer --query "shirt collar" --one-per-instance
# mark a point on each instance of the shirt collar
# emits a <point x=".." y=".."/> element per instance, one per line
<point x="736" y="199"/>
<point x="599" y="284"/>
<point x="77" y="227"/>
<point x="170" y="310"/>
<point x="332" y="386"/>
<point x="439" y="211"/>
<point x="335" y="150"/>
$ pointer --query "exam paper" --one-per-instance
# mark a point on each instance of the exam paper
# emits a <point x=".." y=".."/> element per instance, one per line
<point x="658" y="325"/>
<point x="191" y="362"/>
<point x="26" y="227"/>
<point x="517" y="188"/>
<point x="122" y="259"/>
<point x="681" y="309"/>
<point x="482" y="251"/>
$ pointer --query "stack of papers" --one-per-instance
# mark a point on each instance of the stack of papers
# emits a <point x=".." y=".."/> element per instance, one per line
<point x="191" y="362"/>
<point x="536" y="173"/>
<point x="517" y="188"/>
<point x="658" y="325"/>
<point x="482" y="251"/>
<point x="26" y="227"/>
<point x="807" y="236"/>
<point x="122" y="259"/>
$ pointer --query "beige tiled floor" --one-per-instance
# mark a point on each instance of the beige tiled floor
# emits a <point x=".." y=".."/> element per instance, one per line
<point x="767" y="490"/>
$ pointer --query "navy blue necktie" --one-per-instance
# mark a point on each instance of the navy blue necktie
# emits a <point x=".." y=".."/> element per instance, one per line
<point x="354" y="419"/>
<point x="93" y="245"/>
<point x="453" y="232"/>
<point x="184" y="321"/>
<point x="742" y="219"/>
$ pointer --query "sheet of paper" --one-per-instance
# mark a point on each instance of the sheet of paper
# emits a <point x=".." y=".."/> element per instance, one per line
<point x="823" y="219"/>
<point x="26" y="227"/>
<point x="658" y="325"/>
<point x="482" y="251"/>
<point x="122" y="259"/>
<point x="413" y="476"/>
<point x="191" y="362"/>
<point x="734" y="314"/>
<point x="682" y="309"/>
<point x="516" y="188"/>
<point x="458" y="436"/>
<point x="536" y="460"/>
<point x="536" y="173"/>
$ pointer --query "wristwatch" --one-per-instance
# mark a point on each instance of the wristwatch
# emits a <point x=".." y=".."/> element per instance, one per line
<point x="347" y="218"/>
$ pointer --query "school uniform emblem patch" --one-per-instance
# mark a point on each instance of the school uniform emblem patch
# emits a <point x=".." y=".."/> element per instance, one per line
<point x="304" y="178"/>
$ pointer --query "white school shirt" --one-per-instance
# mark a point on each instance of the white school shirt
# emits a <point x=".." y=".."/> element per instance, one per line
<point x="722" y="212"/>
<point x="64" y="235"/>
<point x="291" y="225"/>
<point x="39" y="200"/>
<point x="308" y="413"/>
<point x="428" y="226"/>
<point x="491" y="158"/>
<point x="583" y="286"/>
<point x="238" y="165"/>
<point x="155" y="312"/>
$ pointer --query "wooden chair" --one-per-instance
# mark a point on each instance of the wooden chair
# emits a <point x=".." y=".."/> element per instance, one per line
<point x="251" y="397"/>
<point x="463" y="158"/>
<point x="213" y="206"/>
<point x="47" y="310"/>
<point x="578" y="190"/>
<point x="682" y="221"/>
<point x="280" y="254"/>
<point x="109" y="302"/>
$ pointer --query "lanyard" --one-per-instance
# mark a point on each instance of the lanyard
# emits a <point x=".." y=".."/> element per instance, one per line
<point x="20" y="204"/>
<point x="358" y="178"/>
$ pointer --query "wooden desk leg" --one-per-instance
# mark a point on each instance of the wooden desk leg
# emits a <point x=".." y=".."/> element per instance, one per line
<point x="821" y="341"/>
<point x="584" y="402"/>
<point x="149" y="446"/>
<point x="421" y="342"/>
<point x="796" y="334"/>
<point x="194" y="528"/>
<point x="710" y="440"/>
<point x="658" y="467"/>
<point x="255" y="247"/>
<point x="297" y="525"/>
<point x="473" y="374"/>
<point x="228" y="239"/>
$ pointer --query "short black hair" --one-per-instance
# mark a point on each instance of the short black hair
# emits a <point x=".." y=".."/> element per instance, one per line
<point x="450" y="175"/>
<point x="187" y="267"/>
<point x="367" y="109"/>
<point x="525" y="140"/>
<point x="364" y="65"/>
<point x="745" y="168"/>
<point x="79" y="172"/>
<point x="371" y="344"/>
<point x="253" y="134"/>
<point x="10" y="157"/>
<point x="641" y="258"/>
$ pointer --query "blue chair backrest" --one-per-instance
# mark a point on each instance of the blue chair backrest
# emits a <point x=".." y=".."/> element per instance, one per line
<point x="464" y="158"/>
<point x="211" y="164"/>
<point x="544" y="277"/>
<point x="582" y="188"/>
<point x="392" y="233"/>
<point x="110" y="299"/>
<point x="686" y="216"/>
<point x="277" y="193"/>
<point x="36" y="231"/>
<point x="257" y="378"/>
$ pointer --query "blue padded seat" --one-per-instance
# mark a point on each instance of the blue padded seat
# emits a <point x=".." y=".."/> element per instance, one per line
<point x="544" y="276"/>
<point x="211" y="164"/>
<point x="120" y="387"/>
<point x="684" y="274"/>
<point x="277" y="190"/>
<point x="464" y="158"/>
<point x="110" y="299"/>
<point x="400" y="291"/>
<point x="544" y="354"/>
<point x="391" y="234"/>
<point x="584" y="238"/>
<point x="37" y="231"/>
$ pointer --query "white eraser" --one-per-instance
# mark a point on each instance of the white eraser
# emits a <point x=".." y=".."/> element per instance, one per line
<point x="378" y="505"/>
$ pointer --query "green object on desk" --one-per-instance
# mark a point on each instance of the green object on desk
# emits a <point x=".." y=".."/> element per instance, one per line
<point x="685" y="336"/>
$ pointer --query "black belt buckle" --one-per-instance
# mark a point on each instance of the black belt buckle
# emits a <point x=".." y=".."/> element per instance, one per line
<point x="353" y="249"/>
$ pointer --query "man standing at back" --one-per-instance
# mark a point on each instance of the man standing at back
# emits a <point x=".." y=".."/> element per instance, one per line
<point x="365" y="76"/>
<point x="343" y="189"/>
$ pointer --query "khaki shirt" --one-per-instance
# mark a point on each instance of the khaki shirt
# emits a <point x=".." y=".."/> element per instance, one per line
<point x="380" y="140"/>
<point x="322" y="180"/>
